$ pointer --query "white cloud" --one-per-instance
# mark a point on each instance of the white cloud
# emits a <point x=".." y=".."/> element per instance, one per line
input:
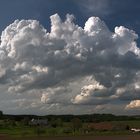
<point x="126" y="39"/>
<point x="95" y="26"/>
<point x="87" y="92"/>
<point x="53" y="95"/>
<point x="133" y="104"/>
<point x="95" y="7"/>
<point x="40" y="69"/>
<point x="70" y="65"/>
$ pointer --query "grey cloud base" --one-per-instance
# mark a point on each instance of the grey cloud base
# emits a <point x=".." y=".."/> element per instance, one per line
<point x="69" y="67"/>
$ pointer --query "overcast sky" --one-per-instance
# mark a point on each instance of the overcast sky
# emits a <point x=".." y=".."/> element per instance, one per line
<point x="70" y="56"/>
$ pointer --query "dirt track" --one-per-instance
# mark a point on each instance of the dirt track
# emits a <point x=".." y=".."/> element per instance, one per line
<point x="2" y="137"/>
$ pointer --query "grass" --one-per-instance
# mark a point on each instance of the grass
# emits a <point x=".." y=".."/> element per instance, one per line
<point x="132" y="124"/>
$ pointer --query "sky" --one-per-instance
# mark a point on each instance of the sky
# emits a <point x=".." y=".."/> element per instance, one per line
<point x="70" y="57"/>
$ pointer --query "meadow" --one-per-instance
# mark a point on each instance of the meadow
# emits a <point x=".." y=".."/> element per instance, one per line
<point x="68" y="126"/>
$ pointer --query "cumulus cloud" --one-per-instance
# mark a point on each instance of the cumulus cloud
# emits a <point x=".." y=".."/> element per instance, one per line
<point x="51" y="96"/>
<point x="70" y="65"/>
<point x="133" y="104"/>
<point x="89" y="93"/>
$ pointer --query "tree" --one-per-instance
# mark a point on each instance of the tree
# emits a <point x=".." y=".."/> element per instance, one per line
<point x="76" y="123"/>
<point x="1" y="113"/>
<point x="25" y="121"/>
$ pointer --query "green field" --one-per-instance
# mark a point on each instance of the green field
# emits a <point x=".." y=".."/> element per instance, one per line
<point x="66" y="130"/>
<point x="68" y="125"/>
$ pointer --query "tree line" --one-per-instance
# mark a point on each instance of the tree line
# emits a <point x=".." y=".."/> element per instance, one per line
<point x="68" y="118"/>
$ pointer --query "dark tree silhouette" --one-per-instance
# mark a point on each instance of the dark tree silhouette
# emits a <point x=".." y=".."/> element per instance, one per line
<point x="1" y="113"/>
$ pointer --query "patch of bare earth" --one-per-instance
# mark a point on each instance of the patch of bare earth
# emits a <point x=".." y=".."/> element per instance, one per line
<point x="4" y="137"/>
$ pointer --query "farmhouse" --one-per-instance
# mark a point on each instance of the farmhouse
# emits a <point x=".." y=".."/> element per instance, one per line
<point x="41" y="122"/>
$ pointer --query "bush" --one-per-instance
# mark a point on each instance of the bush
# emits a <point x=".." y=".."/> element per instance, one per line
<point x="127" y="127"/>
<point x="67" y="131"/>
